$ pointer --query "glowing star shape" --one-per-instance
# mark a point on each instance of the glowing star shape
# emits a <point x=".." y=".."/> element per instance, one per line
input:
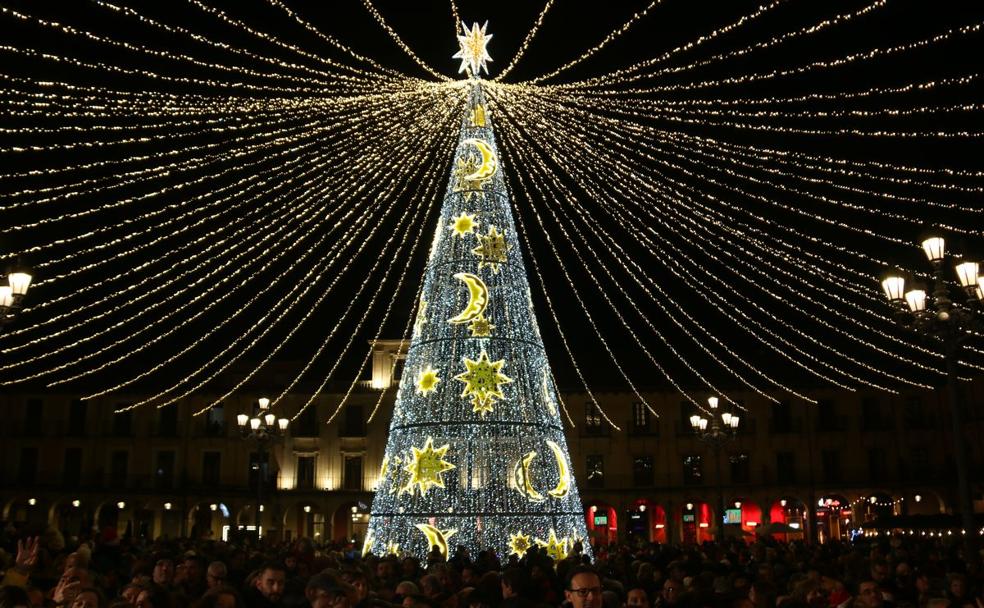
<point x="436" y="538"/>
<point x="426" y="467"/>
<point x="492" y="249"/>
<point x="482" y="379"/>
<point x="555" y="547"/>
<point x="392" y="548"/>
<point x="421" y="320"/>
<point x="480" y="327"/>
<point x="463" y="170"/>
<point x="473" y="52"/>
<point x="519" y="544"/>
<point x="427" y="380"/>
<point x="463" y="224"/>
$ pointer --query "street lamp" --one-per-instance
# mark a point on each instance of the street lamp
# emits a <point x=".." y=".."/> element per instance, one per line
<point x="263" y="427"/>
<point x="716" y="432"/>
<point x="13" y="288"/>
<point x="949" y="320"/>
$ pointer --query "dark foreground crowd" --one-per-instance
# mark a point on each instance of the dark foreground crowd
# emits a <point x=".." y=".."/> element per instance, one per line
<point x="887" y="573"/>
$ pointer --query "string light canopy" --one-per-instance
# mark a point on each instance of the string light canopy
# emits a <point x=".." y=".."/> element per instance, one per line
<point x="701" y="197"/>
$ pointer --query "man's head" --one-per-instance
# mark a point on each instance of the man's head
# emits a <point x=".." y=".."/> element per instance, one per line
<point x="637" y="598"/>
<point x="163" y="571"/>
<point x="869" y="594"/>
<point x="271" y="580"/>
<point x="671" y="591"/>
<point x="216" y="575"/>
<point x="583" y="589"/>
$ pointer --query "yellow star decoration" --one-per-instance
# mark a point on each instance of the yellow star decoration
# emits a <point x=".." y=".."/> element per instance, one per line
<point x="556" y="548"/>
<point x="463" y="224"/>
<point x="478" y="115"/>
<point x="480" y="327"/>
<point x="492" y="249"/>
<point x="426" y="467"/>
<point x="519" y="544"/>
<point x="421" y="320"/>
<point x="473" y="52"/>
<point x="392" y="548"/>
<point x="482" y="380"/>
<point x="427" y="380"/>
<point x="467" y="165"/>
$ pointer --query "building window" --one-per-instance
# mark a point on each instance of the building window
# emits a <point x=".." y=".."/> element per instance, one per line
<point x="76" y="418"/>
<point x="215" y="423"/>
<point x="785" y="467"/>
<point x="640" y="417"/>
<point x="306" y="424"/>
<point x="595" y="464"/>
<point x="305" y="473"/>
<point x="592" y="416"/>
<point x="119" y="468"/>
<point x="693" y="473"/>
<point x="123" y="422"/>
<point x="32" y="417"/>
<point x="27" y="467"/>
<point x="782" y="418"/>
<point x="877" y="465"/>
<point x="353" y="473"/>
<point x="168" y="420"/>
<point x="72" y="468"/>
<point x="211" y="468"/>
<point x="827" y="416"/>
<point x="741" y="468"/>
<point x="830" y="463"/>
<point x="355" y="421"/>
<point x="642" y="471"/>
<point x="164" y="471"/>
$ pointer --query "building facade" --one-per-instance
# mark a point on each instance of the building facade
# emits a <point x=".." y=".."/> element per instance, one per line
<point x="813" y="471"/>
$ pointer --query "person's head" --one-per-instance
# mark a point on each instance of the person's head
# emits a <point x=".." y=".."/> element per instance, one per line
<point x="672" y="588"/>
<point x="869" y="594"/>
<point x="271" y="580"/>
<point x="163" y="571"/>
<point x="879" y="571"/>
<point x="515" y="583"/>
<point x="89" y="597"/>
<point x="13" y="597"/>
<point x="583" y="588"/>
<point x="215" y="575"/>
<point x="637" y="598"/>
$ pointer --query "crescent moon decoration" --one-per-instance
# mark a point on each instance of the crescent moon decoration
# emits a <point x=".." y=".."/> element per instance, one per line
<point x="489" y="161"/>
<point x="521" y="478"/>
<point x="478" y="298"/>
<point x="436" y="538"/>
<point x="564" y="484"/>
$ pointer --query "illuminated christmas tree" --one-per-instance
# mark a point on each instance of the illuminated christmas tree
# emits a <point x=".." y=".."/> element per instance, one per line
<point x="476" y="454"/>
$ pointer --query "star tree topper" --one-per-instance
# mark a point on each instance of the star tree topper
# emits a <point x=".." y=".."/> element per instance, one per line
<point x="473" y="52"/>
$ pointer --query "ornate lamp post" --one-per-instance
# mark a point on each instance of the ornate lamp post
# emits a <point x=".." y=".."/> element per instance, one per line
<point x="263" y="427"/>
<point x="716" y="432"/>
<point x="949" y="320"/>
<point x="13" y="288"/>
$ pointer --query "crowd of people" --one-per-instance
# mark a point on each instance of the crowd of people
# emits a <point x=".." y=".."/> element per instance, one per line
<point x="896" y="572"/>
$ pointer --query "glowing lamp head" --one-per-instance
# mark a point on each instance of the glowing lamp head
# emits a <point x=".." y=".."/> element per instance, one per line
<point x="916" y="299"/>
<point x="967" y="272"/>
<point x="935" y="248"/>
<point x="894" y="287"/>
<point x="6" y="296"/>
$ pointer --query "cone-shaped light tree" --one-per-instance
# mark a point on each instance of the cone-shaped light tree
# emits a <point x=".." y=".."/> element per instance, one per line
<point x="476" y="454"/>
